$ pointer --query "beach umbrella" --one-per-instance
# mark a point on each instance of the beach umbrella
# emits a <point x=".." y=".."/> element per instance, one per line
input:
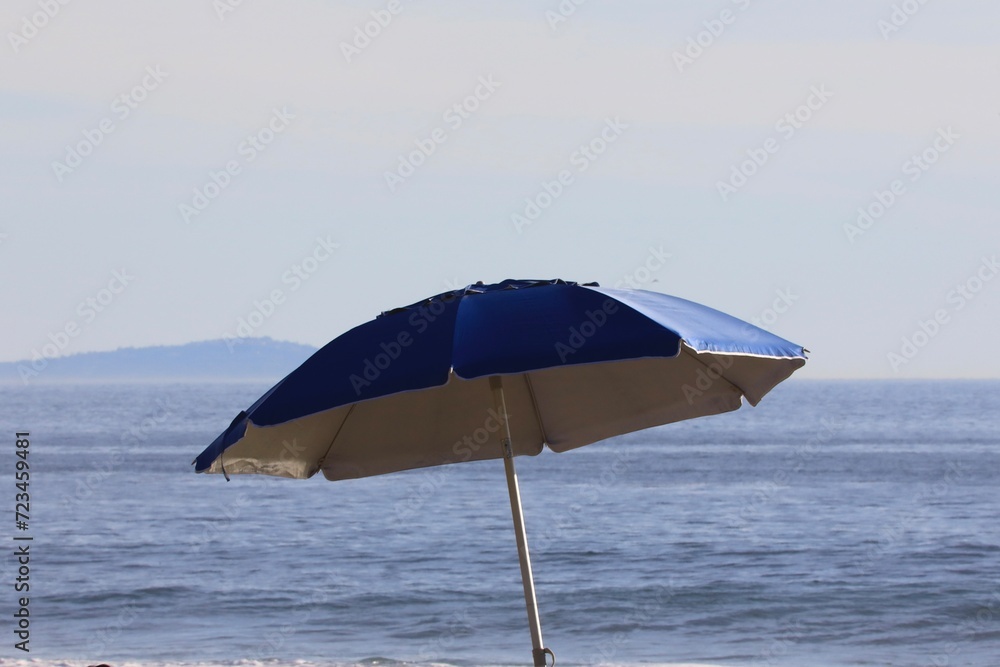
<point x="498" y="371"/>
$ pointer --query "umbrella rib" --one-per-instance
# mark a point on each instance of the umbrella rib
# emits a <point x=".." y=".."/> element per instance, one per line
<point x="538" y="412"/>
<point x="322" y="460"/>
<point x="686" y="349"/>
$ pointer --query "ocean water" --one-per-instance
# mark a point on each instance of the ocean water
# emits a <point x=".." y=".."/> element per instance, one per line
<point x="838" y="523"/>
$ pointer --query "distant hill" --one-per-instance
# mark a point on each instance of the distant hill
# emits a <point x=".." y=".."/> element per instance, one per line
<point x="239" y="359"/>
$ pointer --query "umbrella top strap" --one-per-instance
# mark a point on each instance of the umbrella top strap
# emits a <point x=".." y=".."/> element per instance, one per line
<point x="482" y="288"/>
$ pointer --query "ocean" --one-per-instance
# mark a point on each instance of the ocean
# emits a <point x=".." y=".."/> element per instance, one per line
<point x="838" y="523"/>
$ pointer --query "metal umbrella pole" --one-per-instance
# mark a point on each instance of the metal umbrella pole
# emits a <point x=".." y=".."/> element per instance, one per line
<point x="538" y="651"/>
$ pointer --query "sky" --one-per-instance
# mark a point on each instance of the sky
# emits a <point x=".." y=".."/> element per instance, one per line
<point x="195" y="169"/>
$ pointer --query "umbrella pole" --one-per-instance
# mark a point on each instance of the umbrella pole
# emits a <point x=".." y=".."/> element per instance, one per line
<point x="534" y="624"/>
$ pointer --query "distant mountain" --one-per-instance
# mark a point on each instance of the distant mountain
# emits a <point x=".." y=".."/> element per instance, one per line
<point x="233" y="359"/>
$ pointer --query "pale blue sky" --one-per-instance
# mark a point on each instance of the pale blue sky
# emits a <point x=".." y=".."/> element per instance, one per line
<point x="649" y="207"/>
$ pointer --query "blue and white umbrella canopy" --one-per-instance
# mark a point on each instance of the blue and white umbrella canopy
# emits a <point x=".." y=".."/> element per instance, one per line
<point x="494" y="371"/>
<point x="579" y="362"/>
